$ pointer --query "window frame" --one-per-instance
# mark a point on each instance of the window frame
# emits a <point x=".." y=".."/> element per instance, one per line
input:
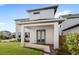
<point x="36" y="12"/>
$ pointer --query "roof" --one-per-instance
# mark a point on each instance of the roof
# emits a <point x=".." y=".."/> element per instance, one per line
<point x="77" y="25"/>
<point x="69" y="16"/>
<point x="42" y="21"/>
<point x="55" y="7"/>
<point x="22" y="19"/>
<point x="50" y="7"/>
<point x="28" y="19"/>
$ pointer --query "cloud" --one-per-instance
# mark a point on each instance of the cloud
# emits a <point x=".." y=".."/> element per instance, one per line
<point x="63" y="13"/>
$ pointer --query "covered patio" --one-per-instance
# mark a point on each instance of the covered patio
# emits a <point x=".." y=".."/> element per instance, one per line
<point x="52" y="32"/>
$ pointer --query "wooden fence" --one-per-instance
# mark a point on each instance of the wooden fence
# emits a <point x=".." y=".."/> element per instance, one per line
<point x="61" y="40"/>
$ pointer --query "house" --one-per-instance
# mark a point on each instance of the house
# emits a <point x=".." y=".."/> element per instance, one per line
<point x="6" y="34"/>
<point x="71" y="23"/>
<point x="40" y="28"/>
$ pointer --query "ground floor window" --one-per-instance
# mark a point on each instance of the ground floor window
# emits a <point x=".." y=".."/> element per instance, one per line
<point x="19" y="34"/>
<point x="27" y="34"/>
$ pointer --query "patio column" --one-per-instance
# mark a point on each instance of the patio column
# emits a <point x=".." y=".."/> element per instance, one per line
<point x="16" y="31"/>
<point x="56" y="35"/>
<point x="22" y="35"/>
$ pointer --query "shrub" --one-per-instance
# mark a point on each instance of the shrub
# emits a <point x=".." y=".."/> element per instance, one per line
<point x="71" y="44"/>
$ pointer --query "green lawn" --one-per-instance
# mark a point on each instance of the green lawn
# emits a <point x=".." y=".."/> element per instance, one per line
<point x="14" y="48"/>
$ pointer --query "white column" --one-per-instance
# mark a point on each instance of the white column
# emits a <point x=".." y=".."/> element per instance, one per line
<point x="16" y="31"/>
<point x="22" y="35"/>
<point x="56" y="35"/>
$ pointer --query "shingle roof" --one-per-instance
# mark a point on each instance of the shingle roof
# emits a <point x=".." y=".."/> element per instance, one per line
<point x="22" y="19"/>
<point x="70" y="16"/>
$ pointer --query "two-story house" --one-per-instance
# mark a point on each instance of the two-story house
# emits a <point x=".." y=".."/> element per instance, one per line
<point x="40" y="28"/>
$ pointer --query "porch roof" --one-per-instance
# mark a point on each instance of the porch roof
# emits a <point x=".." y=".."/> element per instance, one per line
<point x="41" y="21"/>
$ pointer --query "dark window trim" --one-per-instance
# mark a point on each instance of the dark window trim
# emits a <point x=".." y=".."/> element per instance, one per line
<point x="36" y="12"/>
<point x="19" y="34"/>
<point x="27" y="34"/>
<point x="71" y="27"/>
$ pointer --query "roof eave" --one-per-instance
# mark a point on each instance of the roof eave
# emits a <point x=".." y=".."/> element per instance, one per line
<point x="55" y="7"/>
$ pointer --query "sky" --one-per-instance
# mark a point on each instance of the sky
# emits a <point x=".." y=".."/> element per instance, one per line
<point x="10" y="12"/>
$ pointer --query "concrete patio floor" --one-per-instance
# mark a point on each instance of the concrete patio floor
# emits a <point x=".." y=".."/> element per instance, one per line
<point x="47" y="50"/>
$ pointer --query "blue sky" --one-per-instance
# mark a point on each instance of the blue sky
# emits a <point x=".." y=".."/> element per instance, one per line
<point x="10" y="12"/>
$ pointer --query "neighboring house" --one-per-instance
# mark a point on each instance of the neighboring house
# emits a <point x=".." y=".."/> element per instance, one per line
<point x="40" y="28"/>
<point x="71" y="23"/>
<point x="6" y="34"/>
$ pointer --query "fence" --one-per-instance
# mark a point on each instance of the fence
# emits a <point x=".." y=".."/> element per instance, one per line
<point x="61" y="40"/>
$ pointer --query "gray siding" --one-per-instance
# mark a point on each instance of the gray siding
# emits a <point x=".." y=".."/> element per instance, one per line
<point x="44" y="14"/>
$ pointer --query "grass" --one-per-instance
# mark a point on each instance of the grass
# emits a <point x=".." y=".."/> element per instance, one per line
<point x="14" y="48"/>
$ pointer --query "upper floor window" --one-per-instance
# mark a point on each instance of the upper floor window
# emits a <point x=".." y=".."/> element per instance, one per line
<point x="36" y="13"/>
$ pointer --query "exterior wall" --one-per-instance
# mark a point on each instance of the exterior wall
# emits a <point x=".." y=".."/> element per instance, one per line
<point x="49" y="34"/>
<point x="56" y="35"/>
<point x="49" y="13"/>
<point x="18" y="30"/>
<point x="76" y="29"/>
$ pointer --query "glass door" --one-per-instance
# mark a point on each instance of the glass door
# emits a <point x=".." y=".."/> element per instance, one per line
<point x="41" y="36"/>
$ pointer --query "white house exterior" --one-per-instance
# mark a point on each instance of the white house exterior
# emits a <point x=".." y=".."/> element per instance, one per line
<point x="42" y="27"/>
<point x="71" y="23"/>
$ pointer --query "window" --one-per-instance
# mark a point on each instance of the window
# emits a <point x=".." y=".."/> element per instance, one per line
<point x="27" y="34"/>
<point x="39" y="35"/>
<point x="43" y="35"/>
<point x="36" y="13"/>
<point x="19" y="35"/>
<point x="60" y="25"/>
